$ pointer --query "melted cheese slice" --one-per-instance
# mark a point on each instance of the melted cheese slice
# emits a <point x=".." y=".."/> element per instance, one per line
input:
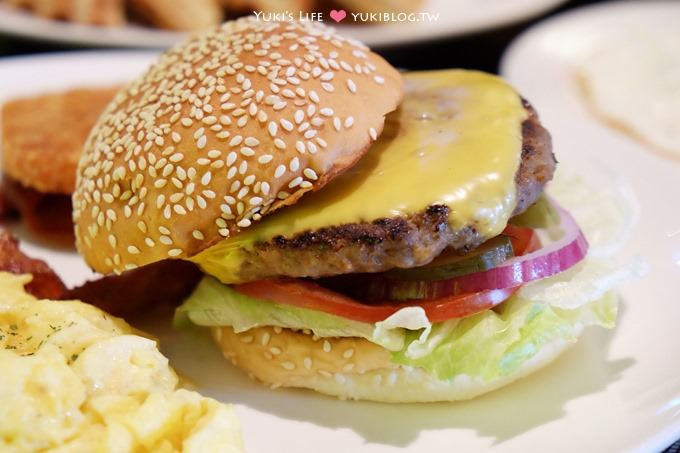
<point x="456" y="140"/>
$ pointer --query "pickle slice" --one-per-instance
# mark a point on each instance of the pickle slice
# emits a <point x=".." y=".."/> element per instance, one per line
<point x="541" y="214"/>
<point x="450" y="264"/>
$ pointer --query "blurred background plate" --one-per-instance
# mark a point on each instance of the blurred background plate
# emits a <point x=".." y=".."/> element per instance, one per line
<point x="544" y="63"/>
<point x="456" y="18"/>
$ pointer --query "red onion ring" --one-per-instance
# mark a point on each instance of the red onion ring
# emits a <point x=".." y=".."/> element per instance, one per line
<point x="545" y="262"/>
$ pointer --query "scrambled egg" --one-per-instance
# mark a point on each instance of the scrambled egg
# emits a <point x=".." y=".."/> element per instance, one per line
<point x="74" y="379"/>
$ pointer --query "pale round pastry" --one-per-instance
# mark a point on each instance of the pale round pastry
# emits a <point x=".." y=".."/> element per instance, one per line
<point x="223" y="129"/>
<point x="353" y="368"/>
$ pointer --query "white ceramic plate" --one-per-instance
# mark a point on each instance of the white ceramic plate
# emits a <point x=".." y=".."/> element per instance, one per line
<point x="456" y="17"/>
<point x="642" y="408"/>
<point x="611" y="392"/>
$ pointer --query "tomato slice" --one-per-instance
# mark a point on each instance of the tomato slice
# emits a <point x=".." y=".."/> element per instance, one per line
<point x="524" y="240"/>
<point x="307" y="294"/>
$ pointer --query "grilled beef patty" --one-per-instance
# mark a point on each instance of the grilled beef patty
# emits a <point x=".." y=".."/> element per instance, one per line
<point x="403" y="242"/>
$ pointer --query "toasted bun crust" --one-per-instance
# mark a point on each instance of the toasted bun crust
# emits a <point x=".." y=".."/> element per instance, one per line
<point x="351" y="368"/>
<point x="223" y="129"/>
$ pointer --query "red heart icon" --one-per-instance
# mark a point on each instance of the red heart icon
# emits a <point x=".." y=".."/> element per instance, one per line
<point x="338" y="15"/>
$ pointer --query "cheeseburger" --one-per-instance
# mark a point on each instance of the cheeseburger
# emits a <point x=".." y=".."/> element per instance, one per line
<point x="364" y="233"/>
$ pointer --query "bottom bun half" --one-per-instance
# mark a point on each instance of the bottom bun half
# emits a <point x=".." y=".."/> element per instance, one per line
<point x="352" y="368"/>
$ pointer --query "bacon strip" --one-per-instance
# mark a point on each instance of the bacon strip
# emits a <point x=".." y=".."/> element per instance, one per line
<point x="126" y="295"/>
<point x="139" y="290"/>
<point x="46" y="283"/>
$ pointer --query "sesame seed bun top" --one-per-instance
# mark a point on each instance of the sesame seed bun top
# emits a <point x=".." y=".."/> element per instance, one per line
<point x="223" y="129"/>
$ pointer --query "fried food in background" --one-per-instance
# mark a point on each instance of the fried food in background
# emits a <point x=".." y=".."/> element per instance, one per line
<point x="76" y="379"/>
<point x="192" y="15"/>
<point x="177" y="14"/>
<point x="42" y="138"/>
<point x="96" y="12"/>
<point x="380" y="6"/>
<point x="269" y="6"/>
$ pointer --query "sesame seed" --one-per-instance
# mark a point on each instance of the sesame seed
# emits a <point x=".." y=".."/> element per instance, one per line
<point x="348" y="367"/>
<point x="310" y="174"/>
<point x="349" y="121"/>
<point x="244" y="223"/>
<point x="280" y="144"/>
<point x="280" y="105"/>
<point x="197" y="235"/>
<point x="265" y="158"/>
<point x="287" y="125"/>
<point x="272" y="128"/>
<point x="275" y="351"/>
<point x="310" y="134"/>
<point x="300" y="146"/>
<point x="201" y="142"/>
<point x="340" y="379"/>
<point x="246" y="339"/>
<point x="299" y="116"/>
<point x="326" y="111"/>
<point x="295" y="182"/>
<point x="214" y="153"/>
<point x="372" y="132"/>
<point x="326" y="346"/>
<point x="265" y="338"/>
<point x="246" y="151"/>
<point x="236" y="140"/>
<point x="251" y="141"/>
<point x="231" y="158"/>
<point x="307" y="362"/>
<point x="337" y="124"/>
<point x="348" y="353"/>
<point x="288" y="366"/>
<point x="294" y="164"/>
<point x="379" y="80"/>
<point x="133" y="250"/>
<point x="174" y="252"/>
<point x="205" y="179"/>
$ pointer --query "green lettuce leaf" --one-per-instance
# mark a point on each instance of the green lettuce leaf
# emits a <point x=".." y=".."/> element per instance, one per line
<point x="489" y="344"/>
<point x="215" y="304"/>
<point x="496" y="343"/>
